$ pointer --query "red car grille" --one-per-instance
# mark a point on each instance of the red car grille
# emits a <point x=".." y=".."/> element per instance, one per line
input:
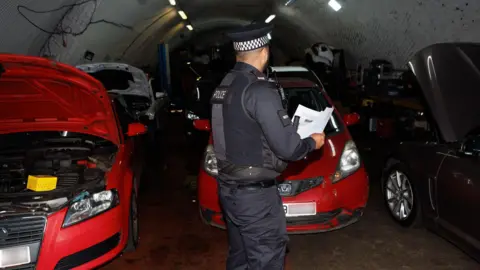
<point x="16" y="231"/>
<point x="288" y="188"/>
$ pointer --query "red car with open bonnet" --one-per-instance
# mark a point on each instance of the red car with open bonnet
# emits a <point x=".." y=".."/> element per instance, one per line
<point x="325" y="191"/>
<point x="68" y="176"/>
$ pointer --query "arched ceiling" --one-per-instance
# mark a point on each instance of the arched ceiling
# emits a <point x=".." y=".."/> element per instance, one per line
<point x="129" y="30"/>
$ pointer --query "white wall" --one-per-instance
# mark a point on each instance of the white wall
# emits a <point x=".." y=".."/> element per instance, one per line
<point x="391" y="29"/>
<point x="17" y="35"/>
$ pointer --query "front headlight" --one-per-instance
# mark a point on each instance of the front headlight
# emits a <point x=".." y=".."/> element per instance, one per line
<point x="349" y="162"/>
<point x="90" y="205"/>
<point x="210" y="161"/>
<point x="192" y="116"/>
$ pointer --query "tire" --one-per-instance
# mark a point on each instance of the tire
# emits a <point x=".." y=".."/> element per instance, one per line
<point x="133" y="225"/>
<point x="395" y="200"/>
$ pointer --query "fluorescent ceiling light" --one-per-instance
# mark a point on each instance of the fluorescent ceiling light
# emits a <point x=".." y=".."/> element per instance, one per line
<point x="189" y="27"/>
<point x="269" y="36"/>
<point x="182" y="14"/>
<point x="335" y="5"/>
<point x="172" y="2"/>
<point x="289" y="2"/>
<point x="270" y="18"/>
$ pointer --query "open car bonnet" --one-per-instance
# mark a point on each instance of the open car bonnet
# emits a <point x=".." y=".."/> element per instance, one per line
<point x="449" y="76"/>
<point x="38" y="94"/>
<point x="140" y="85"/>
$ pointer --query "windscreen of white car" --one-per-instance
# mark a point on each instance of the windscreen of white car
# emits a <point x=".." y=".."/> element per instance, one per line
<point x="113" y="79"/>
<point x="314" y="99"/>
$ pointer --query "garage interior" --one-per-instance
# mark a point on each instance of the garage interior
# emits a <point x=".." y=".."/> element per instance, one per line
<point x="170" y="39"/>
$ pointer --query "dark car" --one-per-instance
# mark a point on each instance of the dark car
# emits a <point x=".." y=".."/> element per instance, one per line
<point x="436" y="180"/>
<point x="198" y="107"/>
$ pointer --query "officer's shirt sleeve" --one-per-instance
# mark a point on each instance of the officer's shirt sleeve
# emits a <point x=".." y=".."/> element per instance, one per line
<point x="262" y="102"/>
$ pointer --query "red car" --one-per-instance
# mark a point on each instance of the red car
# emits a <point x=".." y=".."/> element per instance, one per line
<point x="327" y="190"/>
<point x="57" y="122"/>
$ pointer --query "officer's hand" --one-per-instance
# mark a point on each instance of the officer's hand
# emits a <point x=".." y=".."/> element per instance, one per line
<point x="319" y="139"/>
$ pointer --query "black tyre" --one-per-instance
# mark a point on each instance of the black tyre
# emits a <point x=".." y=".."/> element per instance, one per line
<point x="400" y="196"/>
<point x="133" y="227"/>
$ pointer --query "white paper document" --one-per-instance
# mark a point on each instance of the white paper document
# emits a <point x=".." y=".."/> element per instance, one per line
<point x="312" y="121"/>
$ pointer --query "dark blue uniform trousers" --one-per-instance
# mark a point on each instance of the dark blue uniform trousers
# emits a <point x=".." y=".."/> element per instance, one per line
<point x="256" y="227"/>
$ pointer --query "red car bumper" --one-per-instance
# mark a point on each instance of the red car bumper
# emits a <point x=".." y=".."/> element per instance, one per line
<point x="85" y="245"/>
<point x="338" y="205"/>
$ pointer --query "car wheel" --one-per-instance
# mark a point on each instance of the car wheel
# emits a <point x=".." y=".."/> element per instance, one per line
<point x="133" y="227"/>
<point x="400" y="196"/>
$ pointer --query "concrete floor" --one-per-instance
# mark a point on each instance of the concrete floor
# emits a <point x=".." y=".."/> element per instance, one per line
<point x="174" y="238"/>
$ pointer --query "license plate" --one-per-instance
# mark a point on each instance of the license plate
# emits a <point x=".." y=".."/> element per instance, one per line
<point x="300" y="209"/>
<point x="14" y="256"/>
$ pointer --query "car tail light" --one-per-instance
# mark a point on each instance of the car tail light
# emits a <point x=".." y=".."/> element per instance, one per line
<point x="349" y="162"/>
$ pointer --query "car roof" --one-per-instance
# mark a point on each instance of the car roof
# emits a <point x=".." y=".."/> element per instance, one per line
<point x="289" y="69"/>
<point x="291" y="82"/>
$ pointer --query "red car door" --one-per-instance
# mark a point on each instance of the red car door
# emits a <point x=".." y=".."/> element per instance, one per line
<point x="134" y="146"/>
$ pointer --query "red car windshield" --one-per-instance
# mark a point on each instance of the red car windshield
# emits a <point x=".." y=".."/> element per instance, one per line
<point x="312" y="98"/>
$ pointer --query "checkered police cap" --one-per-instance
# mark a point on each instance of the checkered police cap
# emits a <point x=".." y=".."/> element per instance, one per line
<point x="251" y="44"/>
<point x="250" y="37"/>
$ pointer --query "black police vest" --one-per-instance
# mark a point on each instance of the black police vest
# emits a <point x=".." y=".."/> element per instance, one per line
<point x="240" y="147"/>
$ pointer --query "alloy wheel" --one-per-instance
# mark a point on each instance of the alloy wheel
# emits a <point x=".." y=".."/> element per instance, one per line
<point x="399" y="195"/>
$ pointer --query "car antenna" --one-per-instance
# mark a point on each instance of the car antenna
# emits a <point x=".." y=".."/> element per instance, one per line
<point x="280" y="91"/>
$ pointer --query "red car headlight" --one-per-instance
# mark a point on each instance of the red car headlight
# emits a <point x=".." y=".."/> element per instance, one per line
<point x="88" y="205"/>
<point x="349" y="162"/>
<point x="191" y="116"/>
<point x="210" y="161"/>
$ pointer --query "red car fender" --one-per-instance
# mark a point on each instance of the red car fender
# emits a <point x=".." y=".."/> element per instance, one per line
<point x="121" y="178"/>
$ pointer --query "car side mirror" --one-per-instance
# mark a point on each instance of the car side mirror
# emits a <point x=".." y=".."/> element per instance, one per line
<point x="351" y="119"/>
<point x="135" y="129"/>
<point x="202" y="124"/>
<point x="159" y="95"/>
<point x="471" y="146"/>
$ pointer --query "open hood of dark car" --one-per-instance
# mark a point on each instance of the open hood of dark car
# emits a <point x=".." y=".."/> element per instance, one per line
<point x="449" y="76"/>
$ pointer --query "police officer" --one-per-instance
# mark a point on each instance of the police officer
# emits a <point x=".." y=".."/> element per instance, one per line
<point x="253" y="137"/>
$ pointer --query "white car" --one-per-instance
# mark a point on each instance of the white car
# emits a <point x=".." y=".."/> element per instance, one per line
<point x="129" y="82"/>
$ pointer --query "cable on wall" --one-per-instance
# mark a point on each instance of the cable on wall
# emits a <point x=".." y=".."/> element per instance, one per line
<point x="59" y="29"/>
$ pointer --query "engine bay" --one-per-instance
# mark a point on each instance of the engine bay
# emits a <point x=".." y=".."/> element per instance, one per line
<point x="72" y="160"/>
